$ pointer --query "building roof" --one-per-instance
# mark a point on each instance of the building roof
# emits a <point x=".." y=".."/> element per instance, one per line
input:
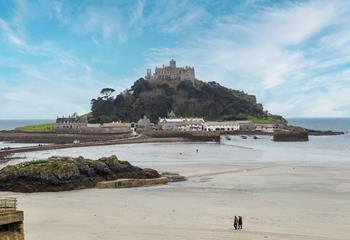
<point x="181" y="120"/>
<point x="225" y="123"/>
<point x="74" y="119"/>
<point x="265" y="124"/>
<point x="171" y="120"/>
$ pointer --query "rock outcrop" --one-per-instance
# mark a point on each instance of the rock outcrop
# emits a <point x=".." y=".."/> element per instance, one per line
<point x="323" y="133"/>
<point x="292" y="135"/>
<point x="173" y="177"/>
<point x="129" y="183"/>
<point x="66" y="173"/>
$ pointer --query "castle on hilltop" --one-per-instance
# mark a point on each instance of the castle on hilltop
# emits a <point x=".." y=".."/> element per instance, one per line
<point x="171" y="72"/>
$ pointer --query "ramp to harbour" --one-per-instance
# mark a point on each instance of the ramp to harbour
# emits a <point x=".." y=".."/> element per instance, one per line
<point x="11" y="220"/>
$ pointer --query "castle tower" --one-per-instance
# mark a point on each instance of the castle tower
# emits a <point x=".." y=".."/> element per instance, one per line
<point x="171" y="72"/>
<point x="149" y="74"/>
<point x="172" y="63"/>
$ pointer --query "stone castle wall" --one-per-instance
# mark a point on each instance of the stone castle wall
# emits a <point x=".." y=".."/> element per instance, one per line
<point x="96" y="130"/>
<point x="171" y="72"/>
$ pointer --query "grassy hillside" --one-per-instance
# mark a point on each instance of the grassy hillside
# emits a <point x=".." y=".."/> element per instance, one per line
<point x="46" y="127"/>
<point x="267" y="120"/>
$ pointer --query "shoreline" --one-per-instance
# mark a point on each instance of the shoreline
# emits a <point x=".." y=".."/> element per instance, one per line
<point x="5" y="153"/>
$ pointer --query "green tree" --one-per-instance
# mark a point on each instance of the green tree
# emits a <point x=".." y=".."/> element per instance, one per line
<point x="107" y="92"/>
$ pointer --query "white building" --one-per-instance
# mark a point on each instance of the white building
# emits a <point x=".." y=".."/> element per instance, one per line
<point x="171" y="72"/>
<point x="181" y="124"/>
<point x="222" y="126"/>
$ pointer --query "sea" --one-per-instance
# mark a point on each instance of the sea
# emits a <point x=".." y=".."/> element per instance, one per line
<point x="231" y="149"/>
<point x="333" y="124"/>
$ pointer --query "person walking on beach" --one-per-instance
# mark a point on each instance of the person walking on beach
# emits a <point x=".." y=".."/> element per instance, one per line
<point x="235" y="223"/>
<point x="240" y="222"/>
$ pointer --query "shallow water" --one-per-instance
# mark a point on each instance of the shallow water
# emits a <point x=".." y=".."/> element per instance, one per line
<point x="320" y="148"/>
<point x="334" y="124"/>
<point x="156" y="153"/>
<point x="235" y="150"/>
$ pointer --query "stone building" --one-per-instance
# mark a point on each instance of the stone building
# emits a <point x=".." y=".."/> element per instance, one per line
<point x="172" y="123"/>
<point x="71" y="122"/>
<point x="268" y="128"/>
<point x="246" y="126"/>
<point x="171" y="72"/>
<point x="181" y="124"/>
<point x="143" y="124"/>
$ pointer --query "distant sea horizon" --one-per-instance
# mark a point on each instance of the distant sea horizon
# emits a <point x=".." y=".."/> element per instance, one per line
<point x="10" y="124"/>
<point x="334" y="124"/>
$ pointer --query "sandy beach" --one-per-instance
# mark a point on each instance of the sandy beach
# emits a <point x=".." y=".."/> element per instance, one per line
<point x="292" y="199"/>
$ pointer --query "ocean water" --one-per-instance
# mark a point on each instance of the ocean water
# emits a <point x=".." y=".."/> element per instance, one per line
<point x="12" y="124"/>
<point x="318" y="148"/>
<point x="236" y="150"/>
<point x="334" y="124"/>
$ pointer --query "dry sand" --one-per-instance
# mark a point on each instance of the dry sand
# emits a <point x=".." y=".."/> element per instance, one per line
<point x="278" y="200"/>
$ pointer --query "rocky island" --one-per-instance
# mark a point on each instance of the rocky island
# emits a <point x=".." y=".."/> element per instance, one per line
<point x="66" y="173"/>
<point x="167" y="90"/>
<point x="170" y="105"/>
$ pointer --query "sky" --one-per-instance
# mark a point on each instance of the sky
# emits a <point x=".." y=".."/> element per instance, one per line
<point x="55" y="56"/>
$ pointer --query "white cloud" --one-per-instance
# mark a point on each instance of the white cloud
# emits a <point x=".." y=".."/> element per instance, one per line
<point x="42" y="91"/>
<point x="293" y="56"/>
<point x="11" y="36"/>
<point x="273" y="53"/>
<point x="180" y="23"/>
<point x="137" y="13"/>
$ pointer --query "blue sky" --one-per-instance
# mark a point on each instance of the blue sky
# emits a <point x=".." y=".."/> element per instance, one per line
<point x="57" y="55"/>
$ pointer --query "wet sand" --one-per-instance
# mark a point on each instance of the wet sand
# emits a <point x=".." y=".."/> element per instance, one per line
<point x="277" y="199"/>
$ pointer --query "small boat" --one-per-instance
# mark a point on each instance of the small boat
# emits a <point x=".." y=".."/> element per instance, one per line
<point x="227" y="137"/>
<point x="244" y="137"/>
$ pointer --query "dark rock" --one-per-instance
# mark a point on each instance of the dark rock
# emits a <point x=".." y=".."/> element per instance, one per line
<point x="66" y="173"/>
<point x="323" y="133"/>
<point x="293" y="135"/>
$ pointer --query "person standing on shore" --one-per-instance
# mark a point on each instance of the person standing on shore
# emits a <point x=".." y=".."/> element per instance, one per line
<point x="235" y="223"/>
<point x="240" y="222"/>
